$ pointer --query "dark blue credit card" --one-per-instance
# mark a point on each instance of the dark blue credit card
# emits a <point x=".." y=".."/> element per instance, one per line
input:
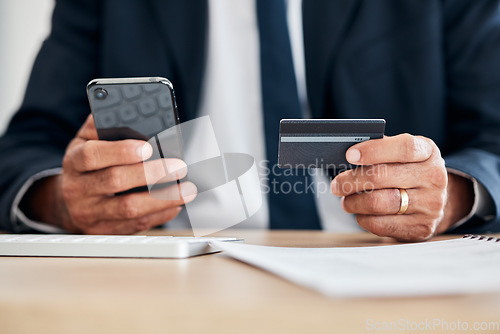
<point x="322" y="143"/>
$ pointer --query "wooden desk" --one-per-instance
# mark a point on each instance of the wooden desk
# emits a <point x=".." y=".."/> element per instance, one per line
<point x="206" y="294"/>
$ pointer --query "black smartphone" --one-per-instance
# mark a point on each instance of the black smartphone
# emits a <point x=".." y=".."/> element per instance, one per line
<point x="136" y="108"/>
<point x="132" y="108"/>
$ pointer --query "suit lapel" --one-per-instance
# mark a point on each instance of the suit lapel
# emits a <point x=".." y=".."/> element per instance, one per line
<point x="325" y="23"/>
<point x="184" y="26"/>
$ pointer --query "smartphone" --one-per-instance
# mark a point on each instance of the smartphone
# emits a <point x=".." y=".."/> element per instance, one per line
<point x="132" y="108"/>
<point x="137" y="108"/>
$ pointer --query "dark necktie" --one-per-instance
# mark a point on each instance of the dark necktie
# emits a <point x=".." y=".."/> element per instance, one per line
<point x="291" y="207"/>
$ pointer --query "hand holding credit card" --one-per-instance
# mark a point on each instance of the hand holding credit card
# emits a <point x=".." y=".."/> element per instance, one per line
<point x="322" y="143"/>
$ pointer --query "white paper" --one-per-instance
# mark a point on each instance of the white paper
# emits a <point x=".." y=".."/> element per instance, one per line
<point x="455" y="266"/>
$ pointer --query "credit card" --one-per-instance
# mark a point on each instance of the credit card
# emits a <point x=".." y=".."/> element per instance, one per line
<point x="322" y="143"/>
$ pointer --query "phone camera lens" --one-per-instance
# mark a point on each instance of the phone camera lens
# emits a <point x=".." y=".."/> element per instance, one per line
<point x="100" y="94"/>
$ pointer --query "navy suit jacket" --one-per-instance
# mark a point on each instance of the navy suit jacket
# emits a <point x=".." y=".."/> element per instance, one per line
<point x="429" y="67"/>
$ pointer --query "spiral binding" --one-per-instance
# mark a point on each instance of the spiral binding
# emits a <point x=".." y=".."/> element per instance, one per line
<point x="481" y="237"/>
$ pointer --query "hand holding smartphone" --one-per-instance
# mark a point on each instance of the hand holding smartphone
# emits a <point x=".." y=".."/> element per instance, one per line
<point x="99" y="170"/>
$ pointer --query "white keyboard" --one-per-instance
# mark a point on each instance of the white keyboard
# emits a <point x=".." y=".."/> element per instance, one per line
<point x="63" y="245"/>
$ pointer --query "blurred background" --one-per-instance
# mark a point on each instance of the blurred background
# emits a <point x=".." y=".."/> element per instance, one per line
<point x="24" y="24"/>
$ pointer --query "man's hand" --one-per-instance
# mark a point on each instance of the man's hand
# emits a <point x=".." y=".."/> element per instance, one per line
<point x="82" y="200"/>
<point x="414" y="163"/>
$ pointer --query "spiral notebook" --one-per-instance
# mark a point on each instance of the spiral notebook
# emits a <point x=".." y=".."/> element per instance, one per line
<point x="459" y="266"/>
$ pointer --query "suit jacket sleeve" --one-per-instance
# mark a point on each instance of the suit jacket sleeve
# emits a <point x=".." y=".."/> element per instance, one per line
<point x="472" y="46"/>
<point x="54" y="106"/>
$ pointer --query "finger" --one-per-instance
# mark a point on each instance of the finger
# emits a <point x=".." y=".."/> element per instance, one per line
<point x="132" y="226"/>
<point x="401" y="148"/>
<point x="136" y="205"/>
<point x="121" y="178"/>
<point x="88" y="130"/>
<point x="388" y="202"/>
<point x="98" y="154"/>
<point x="378" y="202"/>
<point x="402" y="227"/>
<point x="382" y="176"/>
